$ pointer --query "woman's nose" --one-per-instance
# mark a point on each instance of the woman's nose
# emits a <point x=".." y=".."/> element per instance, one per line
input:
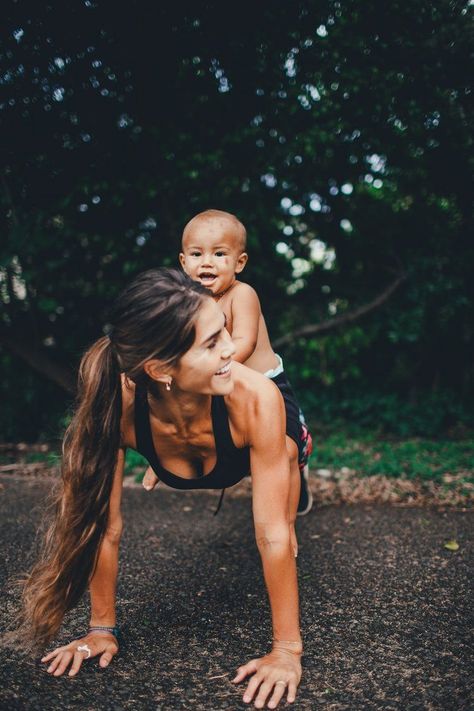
<point x="229" y="348"/>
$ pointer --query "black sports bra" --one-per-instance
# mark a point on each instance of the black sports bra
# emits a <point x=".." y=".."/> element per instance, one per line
<point x="232" y="463"/>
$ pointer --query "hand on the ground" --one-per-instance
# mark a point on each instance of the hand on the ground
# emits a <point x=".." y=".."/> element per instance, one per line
<point x="150" y="480"/>
<point x="278" y="666"/>
<point x="104" y="644"/>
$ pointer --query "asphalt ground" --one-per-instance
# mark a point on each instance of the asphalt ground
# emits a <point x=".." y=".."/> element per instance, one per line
<point x="386" y="609"/>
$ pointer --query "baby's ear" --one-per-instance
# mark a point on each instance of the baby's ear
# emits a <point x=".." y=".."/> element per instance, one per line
<point x="182" y="260"/>
<point x="241" y="262"/>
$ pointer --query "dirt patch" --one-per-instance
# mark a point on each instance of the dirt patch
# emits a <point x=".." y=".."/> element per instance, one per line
<point x="346" y="486"/>
<point x="334" y="487"/>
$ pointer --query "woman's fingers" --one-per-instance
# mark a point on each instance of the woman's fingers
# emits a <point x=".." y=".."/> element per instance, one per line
<point x="108" y="655"/>
<point x="273" y="676"/>
<point x="54" y="664"/>
<point x="56" y="661"/>
<point x="252" y="687"/>
<point x="245" y="670"/>
<point x="291" y="692"/>
<point x="79" y="650"/>
<point x="76" y="663"/>
<point x="63" y="662"/>
<point x="150" y="480"/>
<point x="52" y="654"/>
<point x="278" y="691"/>
<point x="263" y="693"/>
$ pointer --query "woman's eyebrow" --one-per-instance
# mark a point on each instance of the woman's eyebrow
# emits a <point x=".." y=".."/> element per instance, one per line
<point x="216" y="333"/>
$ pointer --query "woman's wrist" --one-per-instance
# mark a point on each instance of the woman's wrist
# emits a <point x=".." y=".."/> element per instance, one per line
<point x="104" y="629"/>
<point x="285" y="645"/>
<point x="106" y="620"/>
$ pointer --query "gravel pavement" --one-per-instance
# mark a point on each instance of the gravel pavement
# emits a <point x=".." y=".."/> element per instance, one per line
<point x="386" y="609"/>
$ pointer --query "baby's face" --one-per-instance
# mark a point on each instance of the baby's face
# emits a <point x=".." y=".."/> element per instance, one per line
<point x="212" y="254"/>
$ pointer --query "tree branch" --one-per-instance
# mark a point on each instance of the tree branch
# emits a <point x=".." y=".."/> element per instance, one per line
<point x="312" y="328"/>
<point x="40" y="361"/>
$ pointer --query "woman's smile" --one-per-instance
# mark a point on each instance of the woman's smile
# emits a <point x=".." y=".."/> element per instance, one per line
<point x="224" y="371"/>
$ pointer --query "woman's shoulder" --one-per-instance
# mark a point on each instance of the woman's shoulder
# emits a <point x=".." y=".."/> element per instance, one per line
<point x="253" y="399"/>
<point x="249" y="383"/>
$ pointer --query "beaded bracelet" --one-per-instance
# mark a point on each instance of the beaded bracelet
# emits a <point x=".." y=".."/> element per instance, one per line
<point x="102" y="628"/>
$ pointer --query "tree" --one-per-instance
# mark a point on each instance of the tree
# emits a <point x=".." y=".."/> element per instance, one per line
<point x="329" y="128"/>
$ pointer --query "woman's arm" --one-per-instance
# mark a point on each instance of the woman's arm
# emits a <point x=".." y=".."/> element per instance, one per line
<point x="280" y="670"/>
<point x="102" y="591"/>
<point x="104" y="580"/>
<point x="270" y="495"/>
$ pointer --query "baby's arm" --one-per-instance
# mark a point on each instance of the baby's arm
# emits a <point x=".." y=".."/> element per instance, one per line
<point x="245" y="320"/>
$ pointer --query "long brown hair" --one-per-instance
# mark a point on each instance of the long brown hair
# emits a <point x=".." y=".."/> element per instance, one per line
<point x="154" y="317"/>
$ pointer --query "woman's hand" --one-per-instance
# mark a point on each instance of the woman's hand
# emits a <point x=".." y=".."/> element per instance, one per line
<point x="273" y="675"/>
<point x="104" y="644"/>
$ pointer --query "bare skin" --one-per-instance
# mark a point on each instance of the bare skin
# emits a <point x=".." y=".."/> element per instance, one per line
<point x="181" y="428"/>
<point x="213" y="254"/>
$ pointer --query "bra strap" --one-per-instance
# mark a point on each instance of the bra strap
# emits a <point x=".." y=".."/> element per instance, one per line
<point x="220" y="425"/>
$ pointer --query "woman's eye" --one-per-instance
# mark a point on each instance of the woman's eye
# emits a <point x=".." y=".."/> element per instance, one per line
<point x="212" y="345"/>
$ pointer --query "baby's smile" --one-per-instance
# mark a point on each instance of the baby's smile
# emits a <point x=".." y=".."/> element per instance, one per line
<point x="207" y="278"/>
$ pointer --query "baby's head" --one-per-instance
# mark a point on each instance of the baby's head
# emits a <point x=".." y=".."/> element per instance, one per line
<point x="213" y="247"/>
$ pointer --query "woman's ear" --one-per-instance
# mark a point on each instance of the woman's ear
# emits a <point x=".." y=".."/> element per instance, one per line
<point x="241" y="262"/>
<point x="157" y="372"/>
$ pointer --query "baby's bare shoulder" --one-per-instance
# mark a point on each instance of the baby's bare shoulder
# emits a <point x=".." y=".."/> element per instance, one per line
<point x="242" y="289"/>
<point x="244" y="299"/>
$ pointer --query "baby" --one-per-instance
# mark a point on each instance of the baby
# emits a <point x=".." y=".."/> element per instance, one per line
<point x="214" y="254"/>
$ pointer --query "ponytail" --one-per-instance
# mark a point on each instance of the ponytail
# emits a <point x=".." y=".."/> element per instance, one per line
<point x="81" y="503"/>
<point x="154" y="317"/>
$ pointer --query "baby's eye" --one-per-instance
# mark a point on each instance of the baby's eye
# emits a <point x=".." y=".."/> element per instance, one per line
<point x="220" y="254"/>
<point x="195" y="254"/>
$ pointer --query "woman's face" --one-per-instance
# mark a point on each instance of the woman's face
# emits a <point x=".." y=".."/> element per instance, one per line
<point x="206" y="367"/>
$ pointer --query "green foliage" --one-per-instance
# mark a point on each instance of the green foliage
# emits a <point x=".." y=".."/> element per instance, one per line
<point x="411" y="459"/>
<point x="343" y="124"/>
<point x="34" y="408"/>
<point x="52" y="459"/>
<point x="135" y="464"/>
<point x="430" y="415"/>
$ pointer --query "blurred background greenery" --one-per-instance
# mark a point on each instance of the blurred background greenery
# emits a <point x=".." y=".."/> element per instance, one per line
<point x="338" y="132"/>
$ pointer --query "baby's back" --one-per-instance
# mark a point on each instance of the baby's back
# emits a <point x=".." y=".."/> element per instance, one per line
<point x="263" y="358"/>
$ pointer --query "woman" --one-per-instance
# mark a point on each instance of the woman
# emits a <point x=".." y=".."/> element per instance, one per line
<point x="163" y="383"/>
